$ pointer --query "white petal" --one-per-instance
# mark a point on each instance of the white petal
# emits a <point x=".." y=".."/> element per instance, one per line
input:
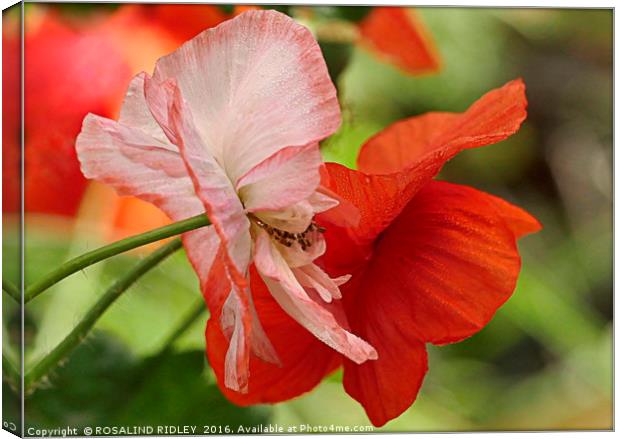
<point x="256" y="84"/>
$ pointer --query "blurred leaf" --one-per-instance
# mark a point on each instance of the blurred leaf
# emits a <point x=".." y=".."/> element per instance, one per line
<point x="175" y="390"/>
<point x="336" y="57"/>
<point x="350" y="13"/>
<point x="87" y="390"/>
<point x="344" y="145"/>
<point x="557" y="319"/>
<point x="103" y="384"/>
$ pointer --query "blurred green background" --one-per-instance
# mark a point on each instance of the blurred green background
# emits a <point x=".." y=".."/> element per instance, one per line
<point x="545" y="360"/>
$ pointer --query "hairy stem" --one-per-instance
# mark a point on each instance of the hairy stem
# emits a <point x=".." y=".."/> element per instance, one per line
<point x="78" y="333"/>
<point x="94" y="256"/>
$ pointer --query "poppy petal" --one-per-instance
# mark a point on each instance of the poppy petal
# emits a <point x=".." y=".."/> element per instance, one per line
<point x="137" y="164"/>
<point x="438" y="274"/>
<point x="135" y="111"/>
<point x="304" y="360"/>
<point x="518" y="220"/>
<point x="268" y="88"/>
<point x="285" y="178"/>
<point x="424" y="143"/>
<point x="397" y="35"/>
<point x="378" y="198"/>
<point x="389" y="385"/>
<point x="404" y="157"/>
<point x="211" y="184"/>
<point x="449" y="261"/>
<point x="294" y="299"/>
<point x="233" y="315"/>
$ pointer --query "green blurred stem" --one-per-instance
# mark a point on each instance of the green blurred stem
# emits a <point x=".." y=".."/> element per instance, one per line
<point x="42" y="368"/>
<point x="11" y="290"/>
<point x="94" y="256"/>
<point x="197" y="309"/>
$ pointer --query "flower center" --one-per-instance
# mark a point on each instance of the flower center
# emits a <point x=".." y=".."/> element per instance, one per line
<point x="288" y="238"/>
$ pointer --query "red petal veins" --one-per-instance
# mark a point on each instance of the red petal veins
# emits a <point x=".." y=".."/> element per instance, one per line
<point x="396" y="163"/>
<point x="422" y="144"/>
<point x="388" y="386"/>
<point x="518" y="220"/>
<point x="437" y="274"/>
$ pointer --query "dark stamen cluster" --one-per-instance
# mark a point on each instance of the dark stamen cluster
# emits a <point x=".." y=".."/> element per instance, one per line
<point x="288" y="238"/>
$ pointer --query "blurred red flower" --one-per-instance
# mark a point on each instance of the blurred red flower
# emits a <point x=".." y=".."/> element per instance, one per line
<point x="67" y="73"/>
<point x="397" y="36"/>
<point x="431" y="262"/>
<point x="11" y="72"/>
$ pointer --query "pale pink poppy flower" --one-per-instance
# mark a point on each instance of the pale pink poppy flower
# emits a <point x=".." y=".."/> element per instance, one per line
<point x="229" y="124"/>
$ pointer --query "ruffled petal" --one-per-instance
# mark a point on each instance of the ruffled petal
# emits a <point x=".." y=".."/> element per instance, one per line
<point x="232" y="314"/>
<point x="292" y="297"/>
<point x="397" y="35"/>
<point x="294" y="219"/>
<point x="135" y="111"/>
<point x="211" y="184"/>
<point x="305" y="360"/>
<point x="403" y="158"/>
<point x="388" y="386"/>
<point x="422" y="144"/>
<point x="321" y="201"/>
<point x="518" y="220"/>
<point x="134" y="163"/>
<point x="376" y="197"/>
<point x="438" y="275"/>
<point x="255" y="84"/>
<point x="287" y="177"/>
<point x="235" y="324"/>
<point x="448" y="261"/>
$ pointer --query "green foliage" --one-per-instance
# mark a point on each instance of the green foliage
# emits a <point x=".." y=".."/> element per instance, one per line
<point x="104" y="384"/>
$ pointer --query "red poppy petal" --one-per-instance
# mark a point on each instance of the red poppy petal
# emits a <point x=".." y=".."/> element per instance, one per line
<point x="400" y="160"/>
<point x="304" y="359"/>
<point x="422" y="144"/>
<point x="398" y="36"/>
<point x="377" y="197"/>
<point x="388" y="386"/>
<point x="446" y="263"/>
<point x="518" y="220"/>
<point x="404" y="143"/>
<point x="438" y="274"/>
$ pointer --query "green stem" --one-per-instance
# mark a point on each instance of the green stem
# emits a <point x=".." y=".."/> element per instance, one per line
<point x="113" y="249"/>
<point x="11" y="290"/>
<point x="197" y="309"/>
<point x="88" y="321"/>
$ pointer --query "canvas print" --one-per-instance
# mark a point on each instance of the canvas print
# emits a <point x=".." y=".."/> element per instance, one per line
<point x="272" y="219"/>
